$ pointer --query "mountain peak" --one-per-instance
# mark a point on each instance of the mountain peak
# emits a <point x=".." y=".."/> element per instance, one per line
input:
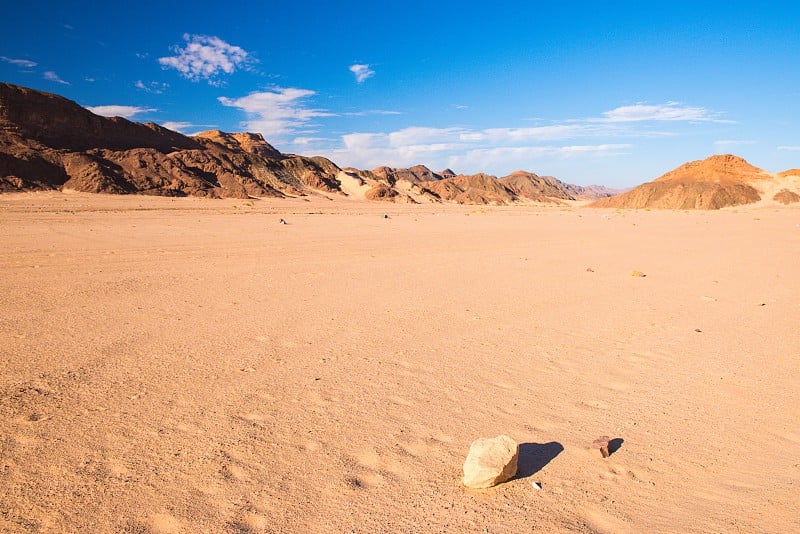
<point x="717" y="168"/>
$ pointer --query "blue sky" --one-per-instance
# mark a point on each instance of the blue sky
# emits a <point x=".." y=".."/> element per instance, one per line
<point x="615" y="93"/>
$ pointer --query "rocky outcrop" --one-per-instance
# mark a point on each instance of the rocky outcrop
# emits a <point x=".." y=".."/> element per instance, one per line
<point x="784" y="196"/>
<point x="713" y="183"/>
<point x="252" y="143"/>
<point x="49" y="142"/>
<point x="472" y="189"/>
<point x="58" y="123"/>
<point x="415" y="174"/>
<point x="533" y="187"/>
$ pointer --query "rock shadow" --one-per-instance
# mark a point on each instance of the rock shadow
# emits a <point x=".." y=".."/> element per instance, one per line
<point x="614" y="445"/>
<point x="534" y="456"/>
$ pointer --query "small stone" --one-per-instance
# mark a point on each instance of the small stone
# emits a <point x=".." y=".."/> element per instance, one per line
<point x="282" y="221"/>
<point x="490" y="461"/>
<point x="697" y="330"/>
<point x="589" y="270"/>
<point x="536" y="486"/>
<point x="602" y="443"/>
<point x="640" y="274"/>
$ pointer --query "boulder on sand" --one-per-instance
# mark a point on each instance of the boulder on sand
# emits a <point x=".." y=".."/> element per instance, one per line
<point x="490" y="461"/>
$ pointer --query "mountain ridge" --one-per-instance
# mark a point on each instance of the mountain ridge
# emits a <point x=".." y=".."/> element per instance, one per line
<point x="50" y="142"/>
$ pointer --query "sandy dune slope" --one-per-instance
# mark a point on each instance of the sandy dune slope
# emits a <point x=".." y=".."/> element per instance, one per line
<point x="187" y="365"/>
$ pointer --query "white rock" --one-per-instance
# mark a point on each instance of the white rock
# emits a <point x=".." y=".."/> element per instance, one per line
<point x="490" y="461"/>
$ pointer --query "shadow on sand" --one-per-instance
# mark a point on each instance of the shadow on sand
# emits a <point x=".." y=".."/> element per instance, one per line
<point x="614" y="445"/>
<point x="534" y="456"/>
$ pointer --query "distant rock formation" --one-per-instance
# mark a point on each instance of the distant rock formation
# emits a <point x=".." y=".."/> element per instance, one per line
<point x="533" y="187"/>
<point x="50" y="142"/>
<point x="252" y="143"/>
<point x="784" y="196"/>
<point x="713" y="183"/>
<point x="414" y="175"/>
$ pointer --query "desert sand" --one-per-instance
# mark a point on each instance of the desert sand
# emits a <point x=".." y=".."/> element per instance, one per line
<point x="191" y="365"/>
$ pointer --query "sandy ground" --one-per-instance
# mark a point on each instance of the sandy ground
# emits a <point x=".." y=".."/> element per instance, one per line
<point x="193" y="366"/>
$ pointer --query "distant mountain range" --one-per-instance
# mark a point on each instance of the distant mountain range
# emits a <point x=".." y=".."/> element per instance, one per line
<point x="50" y="142"/>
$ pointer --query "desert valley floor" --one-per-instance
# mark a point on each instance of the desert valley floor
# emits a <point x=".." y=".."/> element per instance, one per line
<point x="192" y="365"/>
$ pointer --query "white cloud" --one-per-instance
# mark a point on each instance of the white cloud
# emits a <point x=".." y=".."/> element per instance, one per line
<point x="284" y="111"/>
<point x="119" y="111"/>
<point x="525" y="135"/>
<point x="276" y="112"/>
<point x="177" y="126"/>
<point x="205" y="57"/>
<point x="726" y="144"/>
<point x="370" y="112"/>
<point x="789" y="148"/>
<point x="361" y="71"/>
<point x="507" y="158"/>
<point x="27" y="63"/>
<point x="671" y="111"/>
<point x="308" y="141"/>
<point x="53" y="77"/>
<point x="465" y="149"/>
<point x="152" y="87"/>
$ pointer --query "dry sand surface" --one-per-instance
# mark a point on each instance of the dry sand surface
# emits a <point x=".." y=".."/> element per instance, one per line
<point x="192" y="365"/>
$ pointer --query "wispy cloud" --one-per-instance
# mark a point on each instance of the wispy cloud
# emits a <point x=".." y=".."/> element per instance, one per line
<point x="178" y="126"/>
<point x="277" y="112"/>
<point x="523" y="156"/>
<point x="119" y="111"/>
<point x="670" y="111"/>
<point x="726" y="144"/>
<point x="53" y="77"/>
<point x="370" y="112"/>
<point x="152" y="87"/>
<point x="27" y="63"/>
<point x="789" y="148"/>
<point x="466" y="148"/>
<point x="306" y="141"/>
<point x="505" y="148"/>
<point x="361" y="71"/>
<point x="205" y="57"/>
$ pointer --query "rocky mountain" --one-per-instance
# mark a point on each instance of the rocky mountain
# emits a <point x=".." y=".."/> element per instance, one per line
<point x="713" y="183"/>
<point x="415" y="175"/>
<point x="50" y="142"/>
<point x="540" y="188"/>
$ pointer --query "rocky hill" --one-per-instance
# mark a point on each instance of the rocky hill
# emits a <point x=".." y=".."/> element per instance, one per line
<point x="713" y="183"/>
<point x="50" y="142"/>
